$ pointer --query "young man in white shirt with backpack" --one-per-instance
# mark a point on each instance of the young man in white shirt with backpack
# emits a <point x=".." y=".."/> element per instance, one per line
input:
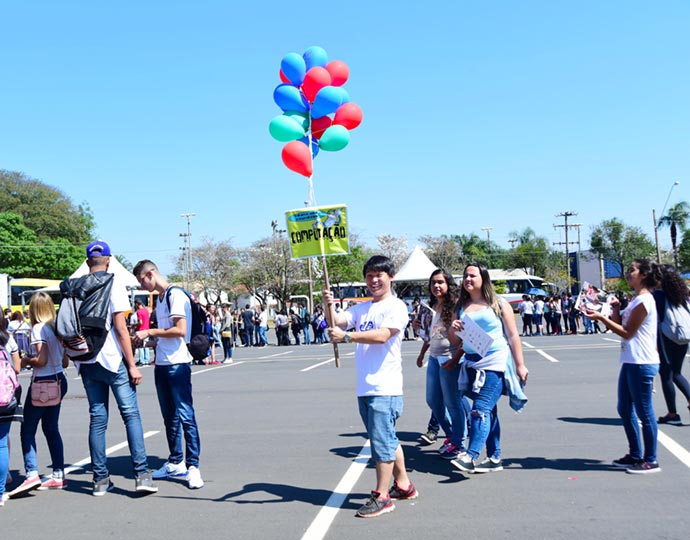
<point x="173" y="374"/>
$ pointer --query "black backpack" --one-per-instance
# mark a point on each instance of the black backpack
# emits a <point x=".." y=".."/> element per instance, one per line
<point x="199" y="342"/>
<point x="83" y="319"/>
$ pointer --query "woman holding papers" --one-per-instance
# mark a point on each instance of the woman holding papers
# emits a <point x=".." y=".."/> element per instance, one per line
<point x="487" y="326"/>
<point x="442" y="394"/>
<point x="637" y="325"/>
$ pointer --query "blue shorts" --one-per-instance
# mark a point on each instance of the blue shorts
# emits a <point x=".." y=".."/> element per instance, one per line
<point x="379" y="414"/>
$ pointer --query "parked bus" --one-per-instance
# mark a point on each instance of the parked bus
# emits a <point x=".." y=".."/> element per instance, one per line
<point x="516" y="283"/>
<point x="15" y="293"/>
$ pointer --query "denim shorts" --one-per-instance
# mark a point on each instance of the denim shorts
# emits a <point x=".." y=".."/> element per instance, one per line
<point x="379" y="414"/>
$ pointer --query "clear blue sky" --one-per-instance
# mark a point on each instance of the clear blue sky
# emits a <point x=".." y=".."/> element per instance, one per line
<point x="476" y="114"/>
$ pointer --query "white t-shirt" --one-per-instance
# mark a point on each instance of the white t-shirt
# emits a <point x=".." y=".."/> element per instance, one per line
<point x="171" y="351"/>
<point x="379" y="367"/>
<point x="641" y="348"/>
<point x="43" y="333"/>
<point x="11" y="346"/>
<point x="110" y="356"/>
<point x="539" y="307"/>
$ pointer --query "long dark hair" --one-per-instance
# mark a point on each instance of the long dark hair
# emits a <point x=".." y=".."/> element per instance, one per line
<point x="450" y="299"/>
<point x="674" y="286"/>
<point x="4" y="334"/>
<point x="651" y="271"/>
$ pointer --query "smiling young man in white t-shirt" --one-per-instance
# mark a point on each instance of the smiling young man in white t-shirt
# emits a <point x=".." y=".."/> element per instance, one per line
<point x="378" y="325"/>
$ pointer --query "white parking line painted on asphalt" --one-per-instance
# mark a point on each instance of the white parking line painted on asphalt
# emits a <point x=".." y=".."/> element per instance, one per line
<point x="80" y="464"/>
<point x="221" y="366"/>
<point x="323" y="363"/>
<point x="609" y="339"/>
<point x="274" y="355"/>
<point x="525" y="344"/>
<point x="547" y="356"/>
<point x="319" y="527"/>
<point x="676" y="449"/>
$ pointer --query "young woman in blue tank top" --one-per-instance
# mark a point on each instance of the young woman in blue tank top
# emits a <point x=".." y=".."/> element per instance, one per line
<point x="482" y="378"/>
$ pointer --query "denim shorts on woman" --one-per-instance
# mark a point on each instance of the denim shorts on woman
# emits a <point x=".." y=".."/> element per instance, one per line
<point x="379" y="414"/>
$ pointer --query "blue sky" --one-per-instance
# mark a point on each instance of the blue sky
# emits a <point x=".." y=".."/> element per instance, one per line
<point x="476" y="114"/>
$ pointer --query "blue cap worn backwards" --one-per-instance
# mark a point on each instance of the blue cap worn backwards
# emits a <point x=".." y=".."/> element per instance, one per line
<point x="98" y="249"/>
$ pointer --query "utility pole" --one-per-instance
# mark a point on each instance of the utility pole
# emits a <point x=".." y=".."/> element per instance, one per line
<point x="488" y="233"/>
<point x="187" y="249"/>
<point x="565" y="216"/>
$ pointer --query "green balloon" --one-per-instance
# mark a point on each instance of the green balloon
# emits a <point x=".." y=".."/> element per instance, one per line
<point x="334" y="138"/>
<point x="300" y="118"/>
<point x="285" y="129"/>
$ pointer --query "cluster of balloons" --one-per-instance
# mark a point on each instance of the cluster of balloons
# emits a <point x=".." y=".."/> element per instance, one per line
<point x="315" y="106"/>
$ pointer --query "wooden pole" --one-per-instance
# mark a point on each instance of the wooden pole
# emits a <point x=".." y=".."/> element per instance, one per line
<point x="330" y="311"/>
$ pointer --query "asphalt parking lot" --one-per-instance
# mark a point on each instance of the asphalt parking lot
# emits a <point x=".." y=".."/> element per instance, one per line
<point x="281" y="438"/>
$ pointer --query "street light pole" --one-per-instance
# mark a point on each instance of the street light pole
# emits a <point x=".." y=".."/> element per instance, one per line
<point x="656" y="223"/>
<point x="188" y="248"/>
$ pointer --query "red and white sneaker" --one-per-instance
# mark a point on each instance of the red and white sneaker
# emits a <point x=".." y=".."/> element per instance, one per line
<point x="52" y="483"/>
<point x="27" y="485"/>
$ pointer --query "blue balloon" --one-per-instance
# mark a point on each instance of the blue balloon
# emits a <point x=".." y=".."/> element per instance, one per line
<point x="294" y="68"/>
<point x="327" y="101"/>
<point x="314" y="146"/>
<point x="344" y="96"/>
<point x="289" y="98"/>
<point x="314" y="56"/>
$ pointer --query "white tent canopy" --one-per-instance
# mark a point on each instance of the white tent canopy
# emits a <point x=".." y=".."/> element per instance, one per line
<point x="418" y="267"/>
<point x="115" y="267"/>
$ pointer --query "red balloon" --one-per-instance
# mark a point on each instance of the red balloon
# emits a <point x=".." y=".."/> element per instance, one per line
<point x="319" y="125"/>
<point x="315" y="79"/>
<point x="339" y="72"/>
<point x="284" y="78"/>
<point x="297" y="157"/>
<point x="348" y="115"/>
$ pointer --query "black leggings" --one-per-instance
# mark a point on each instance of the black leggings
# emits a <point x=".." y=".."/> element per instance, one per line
<point x="672" y="357"/>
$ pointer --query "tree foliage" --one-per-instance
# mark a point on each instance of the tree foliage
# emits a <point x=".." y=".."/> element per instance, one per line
<point x="23" y="255"/>
<point x="530" y="252"/>
<point x="393" y="247"/>
<point x="266" y="268"/>
<point x="620" y="243"/>
<point x="46" y="210"/>
<point x="214" y="266"/>
<point x="676" y="218"/>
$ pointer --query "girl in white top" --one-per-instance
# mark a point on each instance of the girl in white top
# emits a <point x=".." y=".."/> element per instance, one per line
<point x="48" y="364"/>
<point x="637" y="325"/>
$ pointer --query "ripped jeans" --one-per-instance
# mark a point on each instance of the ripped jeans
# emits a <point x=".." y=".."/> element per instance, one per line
<point x="485" y="428"/>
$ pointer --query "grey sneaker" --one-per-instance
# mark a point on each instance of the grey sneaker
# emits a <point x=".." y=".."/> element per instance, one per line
<point x="101" y="487"/>
<point x="144" y="483"/>
<point x="489" y="465"/>
<point x="464" y="462"/>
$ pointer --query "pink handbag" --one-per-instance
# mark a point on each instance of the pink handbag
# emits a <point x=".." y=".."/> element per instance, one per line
<point x="46" y="393"/>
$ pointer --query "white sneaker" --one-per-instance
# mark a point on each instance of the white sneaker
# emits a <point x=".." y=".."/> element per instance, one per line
<point x="170" y="470"/>
<point x="194" y="480"/>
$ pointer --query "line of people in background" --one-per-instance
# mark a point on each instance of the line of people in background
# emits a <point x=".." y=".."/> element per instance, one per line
<point x="554" y="316"/>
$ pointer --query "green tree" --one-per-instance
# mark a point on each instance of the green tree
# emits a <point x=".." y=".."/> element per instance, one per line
<point x="676" y="218"/>
<point x="620" y="243"/>
<point x="531" y="252"/>
<point x="22" y="254"/>
<point x="684" y="251"/>
<point x="46" y="210"/>
<point x="393" y="247"/>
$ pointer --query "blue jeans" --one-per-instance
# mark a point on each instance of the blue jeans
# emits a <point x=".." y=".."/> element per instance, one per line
<point x="249" y="336"/>
<point x="305" y="329"/>
<point x="97" y="383"/>
<point x="635" y="384"/>
<point x="434" y="396"/>
<point x="4" y="454"/>
<point x="174" y="388"/>
<point x="455" y="403"/>
<point x="379" y="414"/>
<point x="262" y="335"/>
<point x="49" y="417"/>
<point x="484" y="425"/>
<point x="144" y="356"/>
